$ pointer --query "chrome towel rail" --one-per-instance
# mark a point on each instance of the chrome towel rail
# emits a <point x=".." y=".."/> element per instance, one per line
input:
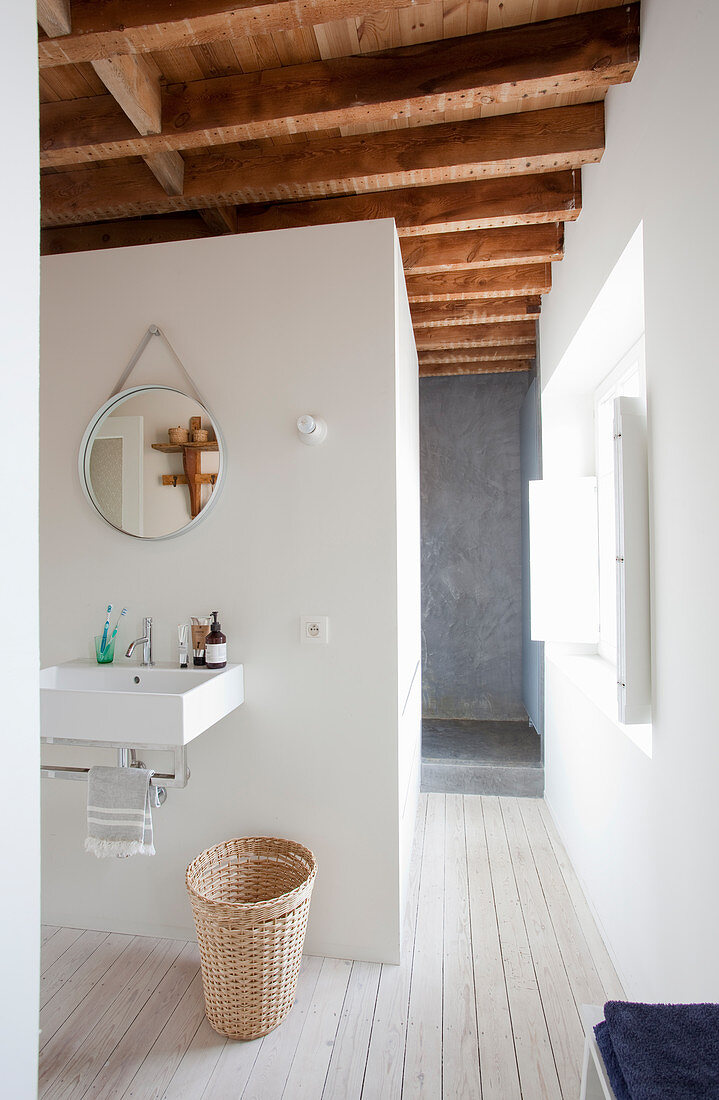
<point x="126" y="758"/>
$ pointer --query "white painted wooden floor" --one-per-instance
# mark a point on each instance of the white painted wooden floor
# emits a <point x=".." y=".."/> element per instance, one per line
<point x="500" y="951"/>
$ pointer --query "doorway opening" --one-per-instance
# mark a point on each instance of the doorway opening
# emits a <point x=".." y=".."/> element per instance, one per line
<point x="482" y="674"/>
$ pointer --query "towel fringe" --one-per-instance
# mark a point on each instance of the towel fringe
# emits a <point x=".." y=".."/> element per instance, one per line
<point x="118" y="849"/>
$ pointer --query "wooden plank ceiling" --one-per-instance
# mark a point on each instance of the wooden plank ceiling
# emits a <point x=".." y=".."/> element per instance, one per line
<point x="467" y="121"/>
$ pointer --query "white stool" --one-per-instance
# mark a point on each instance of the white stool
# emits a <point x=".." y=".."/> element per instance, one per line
<point x="595" y="1083"/>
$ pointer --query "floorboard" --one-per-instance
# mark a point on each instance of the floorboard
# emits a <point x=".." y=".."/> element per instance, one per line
<point x="535" y="1058"/>
<point x="308" y="1071"/>
<point x="385" y="1058"/>
<point x="497" y="1058"/>
<point x="499" y="950"/>
<point x="423" y="1052"/>
<point x="274" y="1060"/>
<point x="460" y="1045"/>
<point x="346" y="1073"/>
<point x="560" y="1011"/>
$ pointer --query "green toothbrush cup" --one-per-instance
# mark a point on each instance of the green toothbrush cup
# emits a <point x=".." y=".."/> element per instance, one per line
<point x="104" y="656"/>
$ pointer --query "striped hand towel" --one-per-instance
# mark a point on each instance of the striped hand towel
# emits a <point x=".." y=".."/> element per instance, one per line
<point x="119" y="821"/>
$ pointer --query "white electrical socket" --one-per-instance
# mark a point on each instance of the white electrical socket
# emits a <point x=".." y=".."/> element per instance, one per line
<point x="314" y="629"/>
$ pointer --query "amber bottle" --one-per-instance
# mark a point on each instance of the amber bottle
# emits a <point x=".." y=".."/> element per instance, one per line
<point x="215" y="645"/>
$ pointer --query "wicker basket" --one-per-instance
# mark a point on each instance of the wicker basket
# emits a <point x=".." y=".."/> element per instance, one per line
<point x="199" y="435"/>
<point x="178" y="435"/>
<point x="250" y="900"/>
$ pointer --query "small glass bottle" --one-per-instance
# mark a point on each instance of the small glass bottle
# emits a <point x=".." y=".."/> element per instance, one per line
<point x="215" y="645"/>
<point x="182" y="635"/>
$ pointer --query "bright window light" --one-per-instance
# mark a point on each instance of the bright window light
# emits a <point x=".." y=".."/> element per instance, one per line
<point x="563" y="560"/>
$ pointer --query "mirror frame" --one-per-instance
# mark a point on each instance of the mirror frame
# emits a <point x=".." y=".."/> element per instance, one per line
<point x="85" y="452"/>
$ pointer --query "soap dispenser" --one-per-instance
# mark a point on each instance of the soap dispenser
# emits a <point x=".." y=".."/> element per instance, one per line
<point x="215" y="645"/>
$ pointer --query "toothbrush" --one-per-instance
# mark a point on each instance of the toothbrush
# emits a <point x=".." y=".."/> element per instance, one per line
<point x="123" y="612"/>
<point x="103" y="644"/>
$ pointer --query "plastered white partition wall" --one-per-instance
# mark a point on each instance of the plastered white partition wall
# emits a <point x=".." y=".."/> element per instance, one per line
<point x="642" y="832"/>
<point x="409" y="619"/>
<point x="270" y="325"/>
<point x="19" y="784"/>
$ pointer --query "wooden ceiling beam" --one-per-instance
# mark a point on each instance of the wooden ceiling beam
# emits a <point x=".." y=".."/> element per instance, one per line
<point x="520" y="144"/>
<point x="581" y="52"/>
<point x="520" y="244"/>
<point x="102" y="28"/>
<point x="446" y="208"/>
<point x="482" y="204"/>
<point x="169" y="171"/>
<point x="493" y="282"/>
<point x="220" y="219"/>
<point x="120" y="234"/>
<point x="479" y="354"/>
<point x="443" y="370"/>
<point x="134" y="84"/>
<point x="477" y="311"/>
<point x="54" y="17"/>
<point x="475" y="336"/>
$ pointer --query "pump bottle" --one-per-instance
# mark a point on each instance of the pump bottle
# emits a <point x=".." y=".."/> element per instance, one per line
<point x="215" y="645"/>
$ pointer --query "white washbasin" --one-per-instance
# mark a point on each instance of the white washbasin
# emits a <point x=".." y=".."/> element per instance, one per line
<point x="163" y="705"/>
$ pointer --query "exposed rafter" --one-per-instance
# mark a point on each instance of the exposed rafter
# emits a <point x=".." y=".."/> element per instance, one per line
<point x="521" y="244"/>
<point x="582" y="52"/>
<point x="475" y="336"/>
<point x="88" y="238"/>
<point x="101" y="29"/>
<point x="134" y="84"/>
<point x="447" y="208"/>
<point x="443" y="370"/>
<point x="477" y="311"/>
<point x="169" y="171"/>
<point x="484" y="204"/>
<point x="220" y="219"/>
<point x="54" y="17"/>
<point x="480" y="355"/>
<point x="366" y="109"/>
<point x="493" y="282"/>
<point x="536" y="141"/>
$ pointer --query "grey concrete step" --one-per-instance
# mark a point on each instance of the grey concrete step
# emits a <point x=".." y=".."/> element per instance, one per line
<point x="518" y="781"/>
<point x="461" y="756"/>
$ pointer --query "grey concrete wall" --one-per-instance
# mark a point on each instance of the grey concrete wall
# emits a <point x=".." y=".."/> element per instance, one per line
<point x="471" y="546"/>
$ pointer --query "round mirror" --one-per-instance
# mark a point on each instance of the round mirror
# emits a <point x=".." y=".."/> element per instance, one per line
<point x="152" y="462"/>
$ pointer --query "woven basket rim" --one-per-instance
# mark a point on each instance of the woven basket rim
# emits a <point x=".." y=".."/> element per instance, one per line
<point x="267" y="903"/>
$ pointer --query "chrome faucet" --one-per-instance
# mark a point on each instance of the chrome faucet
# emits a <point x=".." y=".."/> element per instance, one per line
<point x="147" y="660"/>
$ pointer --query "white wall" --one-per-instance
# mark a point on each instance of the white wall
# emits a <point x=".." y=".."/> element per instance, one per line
<point x="409" y="697"/>
<point x="270" y="325"/>
<point x="642" y="831"/>
<point x="19" y="786"/>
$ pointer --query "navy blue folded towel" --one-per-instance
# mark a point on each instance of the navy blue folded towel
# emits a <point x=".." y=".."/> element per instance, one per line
<point x="661" y="1052"/>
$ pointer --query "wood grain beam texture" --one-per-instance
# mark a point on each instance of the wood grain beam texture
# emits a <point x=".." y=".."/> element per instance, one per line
<point x="482" y="204"/>
<point x="444" y="370"/>
<point x="495" y="282"/>
<point x="519" y="144"/>
<point x="590" y="51"/>
<point x="513" y="352"/>
<point x="475" y="336"/>
<point x="101" y="28"/>
<point x="134" y="84"/>
<point x="477" y="311"/>
<point x="121" y="234"/>
<point x="220" y="220"/>
<point x="447" y="208"/>
<point x="521" y="244"/>
<point x="54" y="17"/>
